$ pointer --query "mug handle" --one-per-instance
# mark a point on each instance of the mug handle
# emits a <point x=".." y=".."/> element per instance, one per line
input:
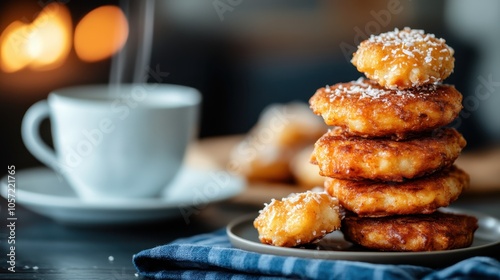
<point x="30" y="131"/>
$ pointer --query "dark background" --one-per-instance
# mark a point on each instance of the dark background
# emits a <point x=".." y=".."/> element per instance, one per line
<point x="261" y="52"/>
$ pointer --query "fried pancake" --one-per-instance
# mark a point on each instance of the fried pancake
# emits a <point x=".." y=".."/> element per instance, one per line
<point x="357" y="158"/>
<point x="267" y="163"/>
<point x="282" y="131"/>
<point x="404" y="58"/>
<point x="414" y="233"/>
<point x="299" y="219"/>
<point x="305" y="173"/>
<point x="366" y="109"/>
<point x="419" y="196"/>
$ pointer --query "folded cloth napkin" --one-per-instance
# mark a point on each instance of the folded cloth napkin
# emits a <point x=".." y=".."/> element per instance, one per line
<point x="211" y="256"/>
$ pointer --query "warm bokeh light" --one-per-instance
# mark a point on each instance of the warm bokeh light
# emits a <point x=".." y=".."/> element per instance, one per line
<point x="13" y="45"/>
<point x="101" y="33"/>
<point x="41" y="45"/>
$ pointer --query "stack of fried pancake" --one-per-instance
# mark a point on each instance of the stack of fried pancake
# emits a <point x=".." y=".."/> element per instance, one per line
<point x="389" y="157"/>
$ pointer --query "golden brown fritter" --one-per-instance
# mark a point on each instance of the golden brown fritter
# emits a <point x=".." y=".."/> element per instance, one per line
<point x="282" y="131"/>
<point x="366" y="109"/>
<point x="299" y="219"/>
<point x="419" y="196"/>
<point x="432" y="232"/>
<point x="404" y="58"/>
<point x="357" y="158"/>
<point x="305" y="173"/>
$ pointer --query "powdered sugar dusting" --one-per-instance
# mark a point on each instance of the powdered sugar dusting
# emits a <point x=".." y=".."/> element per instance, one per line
<point x="362" y="88"/>
<point x="267" y="205"/>
<point x="407" y="37"/>
<point x="407" y="40"/>
<point x="307" y="196"/>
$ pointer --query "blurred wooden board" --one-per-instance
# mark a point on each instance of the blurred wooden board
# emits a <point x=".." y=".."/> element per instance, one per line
<point x="483" y="168"/>
<point x="213" y="154"/>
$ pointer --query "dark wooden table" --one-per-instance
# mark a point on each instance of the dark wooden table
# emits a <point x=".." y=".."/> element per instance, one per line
<point x="48" y="250"/>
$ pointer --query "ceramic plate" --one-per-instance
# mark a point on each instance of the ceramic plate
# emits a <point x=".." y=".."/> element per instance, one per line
<point x="243" y="235"/>
<point x="43" y="191"/>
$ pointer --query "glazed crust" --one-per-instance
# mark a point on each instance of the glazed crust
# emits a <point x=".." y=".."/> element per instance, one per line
<point x="421" y="196"/>
<point x="299" y="219"/>
<point x="366" y="109"/>
<point x="357" y="158"/>
<point x="404" y="59"/>
<point x="414" y="233"/>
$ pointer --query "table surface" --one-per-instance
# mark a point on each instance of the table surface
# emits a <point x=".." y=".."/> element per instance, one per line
<point x="47" y="250"/>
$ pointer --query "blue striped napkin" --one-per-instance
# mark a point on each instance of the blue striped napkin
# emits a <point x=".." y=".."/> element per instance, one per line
<point x="211" y="256"/>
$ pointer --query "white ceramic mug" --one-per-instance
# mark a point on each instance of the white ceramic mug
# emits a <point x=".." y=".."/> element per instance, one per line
<point x="115" y="142"/>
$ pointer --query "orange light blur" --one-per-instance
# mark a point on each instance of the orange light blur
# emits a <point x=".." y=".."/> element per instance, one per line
<point x="101" y="33"/>
<point x="43" y="44"/>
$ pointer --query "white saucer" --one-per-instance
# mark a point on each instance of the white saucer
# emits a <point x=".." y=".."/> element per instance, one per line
<point x="43" y="191"/>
